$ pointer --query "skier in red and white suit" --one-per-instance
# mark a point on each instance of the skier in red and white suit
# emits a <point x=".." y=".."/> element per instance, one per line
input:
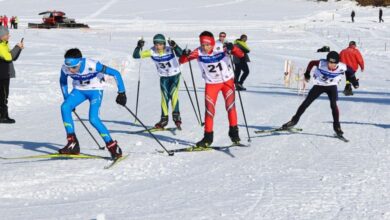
<point x="216" y="67"/>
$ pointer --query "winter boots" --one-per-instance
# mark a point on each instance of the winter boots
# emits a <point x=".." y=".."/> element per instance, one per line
<point x="114" y="149"/>
<point x="348" y="89"/>
<point x="7" y="120"/>
<point x="207" y="140"/>
<point x="162" y="123"/>
<point x="233" y="134"/>
<point x="72" y="147"/>
<point x="4" y="118"/>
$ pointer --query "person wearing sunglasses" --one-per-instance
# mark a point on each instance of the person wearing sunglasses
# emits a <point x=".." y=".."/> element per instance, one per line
<point x="217" y="71"/>
<point x="88" y="84"/>
<point x="326" y="77"/>
<point x="164" y="57"/>
<point x="222" y="38"/>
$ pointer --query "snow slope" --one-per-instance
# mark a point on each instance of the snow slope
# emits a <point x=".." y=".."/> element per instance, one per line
<point x="309" y="175"/>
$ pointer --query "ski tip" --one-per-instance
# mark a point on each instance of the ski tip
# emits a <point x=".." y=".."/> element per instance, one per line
<point x="341" y="137"/>
<point x="114" y="162"/>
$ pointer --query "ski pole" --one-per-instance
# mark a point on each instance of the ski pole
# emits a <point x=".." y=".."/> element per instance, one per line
<point x="196" y="96"/>
<point x="170" y="153"/>
<point x="139" y="82"/>
<point x="185" y="84"/>
<point x="192" y="103"/>
<point x="78" y="117"/>
<point x="242" y="106"/>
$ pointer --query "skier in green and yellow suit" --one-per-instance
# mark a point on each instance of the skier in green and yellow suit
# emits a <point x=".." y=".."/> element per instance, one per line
<point x="169" y="72"/>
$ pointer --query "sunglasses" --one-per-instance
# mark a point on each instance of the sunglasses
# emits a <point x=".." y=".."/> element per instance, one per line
<point x="205" y="45"/>
<point x="222" y="35"/>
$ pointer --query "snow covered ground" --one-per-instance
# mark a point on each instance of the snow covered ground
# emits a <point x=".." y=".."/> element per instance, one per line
<point x="308" y="175"/>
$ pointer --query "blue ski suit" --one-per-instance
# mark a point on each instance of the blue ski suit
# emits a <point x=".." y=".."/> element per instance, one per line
<point x="88" y="84"/>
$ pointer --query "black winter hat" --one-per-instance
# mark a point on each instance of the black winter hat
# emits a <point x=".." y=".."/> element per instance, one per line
<point x="333" y="57"/>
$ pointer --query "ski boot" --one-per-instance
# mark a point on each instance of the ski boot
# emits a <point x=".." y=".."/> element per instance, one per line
<point x="348" y="90"/>
<point x="240" y="87"/>
<point x="177" y="119"/>
<point x="206" y="141"/>
<point x="233" y="134"/>
<point x="114" y="149"/>
<point x="289" y="124"/>
<point x="72" y="147"/>
<point x="338" y="130"/>
<point x="162" y="123"/>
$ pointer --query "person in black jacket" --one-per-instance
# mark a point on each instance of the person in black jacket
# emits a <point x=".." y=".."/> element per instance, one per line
<point x="7" y="71"/>
<point x="353" y="16"/>
<point x="380" y="16"/>
<point x="241" y="64"/>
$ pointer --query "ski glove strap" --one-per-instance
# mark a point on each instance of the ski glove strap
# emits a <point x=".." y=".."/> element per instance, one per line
<point x="121" y="99"/>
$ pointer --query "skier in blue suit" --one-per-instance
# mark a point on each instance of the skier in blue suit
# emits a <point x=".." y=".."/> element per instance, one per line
<point x="88" y="83"/>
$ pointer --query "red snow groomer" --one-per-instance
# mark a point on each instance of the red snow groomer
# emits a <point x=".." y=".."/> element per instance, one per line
<point x="56" y="19"/>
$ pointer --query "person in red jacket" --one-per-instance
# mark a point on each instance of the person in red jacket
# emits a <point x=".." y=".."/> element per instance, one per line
<point x="5" y="21"/>
<point x="353" y="58"/>
<point x="217" y="71"/>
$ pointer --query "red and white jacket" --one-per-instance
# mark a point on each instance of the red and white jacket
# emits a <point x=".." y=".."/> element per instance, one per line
<point x="216" y="66"/>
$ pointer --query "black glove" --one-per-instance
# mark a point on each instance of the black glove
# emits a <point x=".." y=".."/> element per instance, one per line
<point x="140" y="43"/>
<point x="307" y="76"/>
<point x="229" y="46"/>
<point x="355" y="83"/>
<point x="121" y="98"/>
<point x="172" y="43"/>
<point x="186" y="52"/>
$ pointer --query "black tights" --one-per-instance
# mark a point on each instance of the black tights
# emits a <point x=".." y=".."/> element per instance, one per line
<point x="314" y="93"/>
<point x="242" y="66"/>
